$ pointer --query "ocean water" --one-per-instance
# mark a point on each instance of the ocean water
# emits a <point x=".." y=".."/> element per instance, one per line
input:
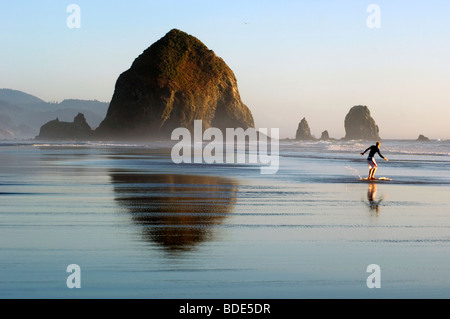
<point x="140" y="226"/>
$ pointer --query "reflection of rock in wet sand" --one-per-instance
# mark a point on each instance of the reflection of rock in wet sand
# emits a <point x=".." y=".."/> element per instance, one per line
<point x="176" y="211"/>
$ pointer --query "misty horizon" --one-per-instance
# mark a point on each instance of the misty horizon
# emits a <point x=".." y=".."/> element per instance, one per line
<point x="291" y="60"/>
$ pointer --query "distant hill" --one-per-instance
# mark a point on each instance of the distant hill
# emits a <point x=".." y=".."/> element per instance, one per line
<point x="29" y="112"/>
<point x="18" y="97"/>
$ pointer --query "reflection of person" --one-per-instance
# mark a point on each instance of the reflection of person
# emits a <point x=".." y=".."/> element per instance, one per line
<point x="371" y="193"/>
<point x="374" y="149"/>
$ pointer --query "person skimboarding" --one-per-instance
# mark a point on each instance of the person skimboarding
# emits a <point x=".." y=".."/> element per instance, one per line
<point x="374" y="149"/>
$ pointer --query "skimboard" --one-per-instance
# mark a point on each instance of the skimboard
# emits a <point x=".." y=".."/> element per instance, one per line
<point x="376" y="179"/>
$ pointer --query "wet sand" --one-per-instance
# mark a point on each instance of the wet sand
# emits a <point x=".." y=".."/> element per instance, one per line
<point x="140" y="226"/>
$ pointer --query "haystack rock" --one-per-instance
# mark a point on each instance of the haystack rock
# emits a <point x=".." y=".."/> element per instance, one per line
<point x="359" y="125"/>
<point x="303" y="131"/>
<point x="175" y="81"/>
<point x="79" y="129"/>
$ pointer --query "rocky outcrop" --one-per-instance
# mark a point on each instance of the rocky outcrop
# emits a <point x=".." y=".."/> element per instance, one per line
<point x="303" y="131"/>
<point x="29" y="112"/>
<point x="423" y="138"/>
<point x="79" y="129"/>
<point x="175" y="81"/>
<point x="359" y="125"/>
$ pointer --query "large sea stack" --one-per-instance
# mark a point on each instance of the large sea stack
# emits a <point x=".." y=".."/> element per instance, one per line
<point x="175" y="81"/>
<point x="359" y="125"/>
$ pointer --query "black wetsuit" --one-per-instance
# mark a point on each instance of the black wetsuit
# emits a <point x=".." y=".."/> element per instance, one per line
<point x="373" y="150"/>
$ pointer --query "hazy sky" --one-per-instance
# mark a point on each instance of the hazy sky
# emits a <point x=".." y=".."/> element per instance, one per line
<point x="292" y="59"/>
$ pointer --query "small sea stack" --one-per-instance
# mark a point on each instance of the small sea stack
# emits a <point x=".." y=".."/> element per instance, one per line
<point x="422" y="138"/>
<point x="303" y="131"/>
<point x="325" y="136"/>
<point x="359" y="124"/>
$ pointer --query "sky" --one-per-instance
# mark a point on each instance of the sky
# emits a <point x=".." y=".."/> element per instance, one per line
<point x="292" y="59"/>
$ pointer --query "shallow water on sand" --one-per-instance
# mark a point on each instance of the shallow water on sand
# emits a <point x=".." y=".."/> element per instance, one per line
<point x="140" y="226"/>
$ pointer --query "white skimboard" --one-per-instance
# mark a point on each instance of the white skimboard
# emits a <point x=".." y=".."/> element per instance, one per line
<point x="378" y="179"/>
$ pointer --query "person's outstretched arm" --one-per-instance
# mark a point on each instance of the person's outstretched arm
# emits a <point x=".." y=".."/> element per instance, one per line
<point x="365" y="151"/>
<point x="382" y="156"/>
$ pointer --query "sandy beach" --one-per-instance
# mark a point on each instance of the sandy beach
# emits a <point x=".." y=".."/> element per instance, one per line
<point x="140" y="226"/>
